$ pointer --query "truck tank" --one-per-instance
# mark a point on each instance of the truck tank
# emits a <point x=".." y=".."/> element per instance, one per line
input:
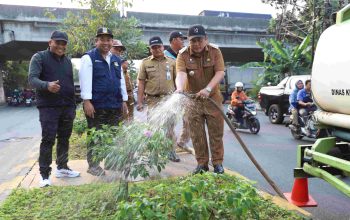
<point x="331" y="73"/>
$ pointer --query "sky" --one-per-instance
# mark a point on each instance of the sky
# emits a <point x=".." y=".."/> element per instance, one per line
<point x="186" y="7"/>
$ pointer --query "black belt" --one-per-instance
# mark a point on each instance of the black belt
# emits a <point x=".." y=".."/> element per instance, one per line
<point x="157" y="96"/>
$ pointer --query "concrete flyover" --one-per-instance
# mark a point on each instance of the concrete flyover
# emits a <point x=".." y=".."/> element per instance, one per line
<point x="24" y="30"/>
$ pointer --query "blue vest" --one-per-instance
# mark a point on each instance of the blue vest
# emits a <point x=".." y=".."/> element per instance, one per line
<point x="106" y="89"/>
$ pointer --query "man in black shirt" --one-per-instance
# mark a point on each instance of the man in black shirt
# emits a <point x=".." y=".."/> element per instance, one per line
<point x="51" y="73"/>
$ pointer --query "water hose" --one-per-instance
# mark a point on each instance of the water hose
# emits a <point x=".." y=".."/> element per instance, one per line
<point x="245" y="148"/>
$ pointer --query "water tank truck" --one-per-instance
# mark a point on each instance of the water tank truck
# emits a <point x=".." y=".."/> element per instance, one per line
<point x="330" y="80"/>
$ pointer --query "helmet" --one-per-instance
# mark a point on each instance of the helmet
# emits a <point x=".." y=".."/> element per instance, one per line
<point x="239" y="84"/>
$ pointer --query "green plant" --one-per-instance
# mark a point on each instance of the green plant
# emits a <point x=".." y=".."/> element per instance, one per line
<point x="130" y="149"/>
<point x="80" y="123"/>
<point x="207" y="196"/>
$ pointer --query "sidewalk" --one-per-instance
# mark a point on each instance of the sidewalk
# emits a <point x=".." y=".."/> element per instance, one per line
<point x="172" y="169"/>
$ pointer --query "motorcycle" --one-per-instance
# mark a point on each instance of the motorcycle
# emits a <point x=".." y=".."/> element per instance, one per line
<point x="250" y="121"/>
<point x="28" y="102"/>
<point x="306" y="128"/>
<point x="14" y="100"/>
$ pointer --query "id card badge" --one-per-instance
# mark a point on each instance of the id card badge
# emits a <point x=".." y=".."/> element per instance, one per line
<point x="168" y="75"/>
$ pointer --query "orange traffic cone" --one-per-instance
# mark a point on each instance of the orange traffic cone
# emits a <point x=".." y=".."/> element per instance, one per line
<point x="300" y="194"/>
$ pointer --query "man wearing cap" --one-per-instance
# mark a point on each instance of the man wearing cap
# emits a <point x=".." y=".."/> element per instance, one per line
<point x="128" y="116"/>
<point x="51" y="73"/>
<point x="156" y="79"/>
<point x="176" y="39"/>
<point x="201" y="67"/>
<point x="102" y="89"/>
<point x="118" y="50"/>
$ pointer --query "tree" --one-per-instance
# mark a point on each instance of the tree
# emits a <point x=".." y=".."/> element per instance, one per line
<point x="81" y="27"/>
<point x="298" y="18"/>
<point x="15" y="75"/>
<point x="281" y="59"/>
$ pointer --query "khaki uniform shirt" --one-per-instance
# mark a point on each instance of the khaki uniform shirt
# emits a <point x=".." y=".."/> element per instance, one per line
<point x="200" y="68"/>
<point x="159" y="75"/>
<point x="128" y="82"/>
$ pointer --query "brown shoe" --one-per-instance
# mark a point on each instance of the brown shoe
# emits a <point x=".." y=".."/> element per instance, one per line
<point x="96" y="171"/>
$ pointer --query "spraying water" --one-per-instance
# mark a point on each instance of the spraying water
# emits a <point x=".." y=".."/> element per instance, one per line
<point x="142" y="146"/>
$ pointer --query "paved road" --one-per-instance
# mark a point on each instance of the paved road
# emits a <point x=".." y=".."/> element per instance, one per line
<point x="275" y="150"/>
<point x="19" y="137"/>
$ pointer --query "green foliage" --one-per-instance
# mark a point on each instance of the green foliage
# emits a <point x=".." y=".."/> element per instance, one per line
<point x="15" y="75"/>
<point x="82" y="27"/>
<point x="281" y="60"/>
<point x="131" y="149"/>
<point x="298" y="18"/>
<point x="80" y="123"/>
<point x="207" y="196"/>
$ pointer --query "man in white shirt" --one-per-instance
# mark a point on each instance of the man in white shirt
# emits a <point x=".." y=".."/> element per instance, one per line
<point x="102" y="89"/>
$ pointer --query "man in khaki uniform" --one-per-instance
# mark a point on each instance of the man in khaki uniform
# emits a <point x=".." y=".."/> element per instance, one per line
<point x="118" y="49"/>
<point x="200" y="68"/>
<point x="176" y="40"/>
<point x="156" y="79"/>
<point x="128" y="116"/>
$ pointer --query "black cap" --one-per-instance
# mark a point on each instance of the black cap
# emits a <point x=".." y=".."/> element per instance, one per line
<point x="176" y="34"/>
<point x="123" y="60"/>
<point x="59" y="35"/>
<point x="196" y="31"/>
<point x="104" y="31"/>
<point x="155" y="41"/>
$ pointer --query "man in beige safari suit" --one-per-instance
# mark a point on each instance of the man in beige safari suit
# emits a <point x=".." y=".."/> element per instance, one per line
<point x="199" y="69"/>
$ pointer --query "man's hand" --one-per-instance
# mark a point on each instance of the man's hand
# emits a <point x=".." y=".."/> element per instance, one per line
<point x="89" y="108"/>
<point x="54" y="86"/>
<point x="125" y="108"/>
<point x="139" y="107"/>
<point x="179" y="91"/>
<point x="202" y="94"/>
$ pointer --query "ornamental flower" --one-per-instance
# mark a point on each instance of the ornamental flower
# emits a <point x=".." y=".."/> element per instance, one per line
<point x="148" y="133"/>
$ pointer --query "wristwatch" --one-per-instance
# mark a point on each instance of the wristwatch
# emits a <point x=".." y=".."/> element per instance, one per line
<point x="208" y="89"/>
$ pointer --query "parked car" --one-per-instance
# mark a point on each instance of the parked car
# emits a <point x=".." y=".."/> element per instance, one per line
<point x="274" y="100"/>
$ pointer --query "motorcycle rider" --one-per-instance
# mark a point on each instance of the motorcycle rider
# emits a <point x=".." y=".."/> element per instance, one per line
<point x="293" y="108"/>
<point x="305" y="101"/>
<point x="28" y="94"/>
<point x="237" y="98"/>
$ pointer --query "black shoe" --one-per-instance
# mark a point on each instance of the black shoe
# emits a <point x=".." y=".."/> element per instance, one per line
<point x="200" y="169"/>
<point x="218" y="168"/>
<point x="96" y="171"/>
<point x="173" y="156"/>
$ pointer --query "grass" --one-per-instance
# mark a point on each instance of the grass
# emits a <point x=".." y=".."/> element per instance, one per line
<point x="77" y="147"/>
<point x="207" y="196"/>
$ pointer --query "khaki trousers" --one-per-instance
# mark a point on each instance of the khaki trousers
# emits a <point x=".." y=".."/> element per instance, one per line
<point x="185" y="132"/>
<point x="152" y="102"/>
<point x="201" y="113"/>
<point x="130" y="103"/>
